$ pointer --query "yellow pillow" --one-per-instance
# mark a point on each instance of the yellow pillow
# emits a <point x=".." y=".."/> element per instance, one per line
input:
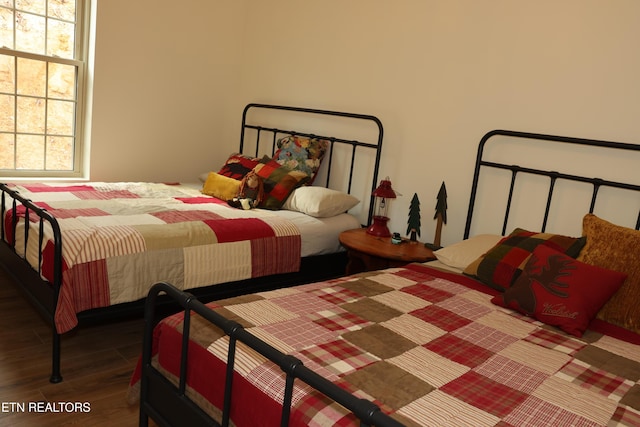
<point x="615" y="248"/>
<point x="220" y="186"/>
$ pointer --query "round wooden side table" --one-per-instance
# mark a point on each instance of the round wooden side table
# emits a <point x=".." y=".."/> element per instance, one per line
<point x="366" y="252"/>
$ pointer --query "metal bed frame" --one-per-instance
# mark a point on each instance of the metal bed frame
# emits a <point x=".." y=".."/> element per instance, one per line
<point x="168" y="405"/>
<point x="43" y="294"/>
<point x="334" y="142"/>
<point x="554" y="176"/>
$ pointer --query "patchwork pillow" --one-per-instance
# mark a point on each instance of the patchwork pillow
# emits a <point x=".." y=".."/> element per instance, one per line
<point x="222" y="187"/>
<point x="279" y="182"/>
<point x="502" y="264"/>
<point x="319" y="202"/>
<point x="461" y="254"/>
<point x="560" y="291"/>
<point x="303" y="154"/>
<point x="238" y="165"/>
<point x="616" y="248"/>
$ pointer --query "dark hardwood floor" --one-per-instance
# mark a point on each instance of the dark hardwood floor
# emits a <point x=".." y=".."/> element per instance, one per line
<point x="97" y="363"/>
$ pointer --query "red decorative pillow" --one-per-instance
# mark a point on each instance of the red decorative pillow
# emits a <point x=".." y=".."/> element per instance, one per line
<point x="238" y="165"/>
<point x="560" y="291"/>
<point x="500" y="267"/>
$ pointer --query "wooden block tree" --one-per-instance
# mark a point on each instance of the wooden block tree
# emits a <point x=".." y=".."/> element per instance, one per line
<point x="441" y="214"/>
<point x="413" y="223"/>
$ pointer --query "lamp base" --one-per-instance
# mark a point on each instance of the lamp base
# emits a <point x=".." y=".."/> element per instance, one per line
<point x="379" y="227"/>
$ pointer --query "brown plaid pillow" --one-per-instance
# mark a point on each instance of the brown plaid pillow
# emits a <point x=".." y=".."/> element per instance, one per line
<point x="279" y="182"/>
<point x="501" y="265"/>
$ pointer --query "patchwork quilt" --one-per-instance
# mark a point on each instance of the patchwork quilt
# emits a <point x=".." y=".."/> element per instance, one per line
<point x="118" y="239"/>
<point x="427" y="346"/>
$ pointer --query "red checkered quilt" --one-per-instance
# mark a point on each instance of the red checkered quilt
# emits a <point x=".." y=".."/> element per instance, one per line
<point x="427" y="346"/>
<point x="118" y="239"/>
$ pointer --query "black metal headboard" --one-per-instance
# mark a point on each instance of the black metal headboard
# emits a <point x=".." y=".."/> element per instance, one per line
<point x="554" y="176"/>
<point x="265" y="129"/>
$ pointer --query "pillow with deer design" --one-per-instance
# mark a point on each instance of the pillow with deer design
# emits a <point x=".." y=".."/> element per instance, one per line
<point x="560" y="291"/>
<point x="501" y="265"/>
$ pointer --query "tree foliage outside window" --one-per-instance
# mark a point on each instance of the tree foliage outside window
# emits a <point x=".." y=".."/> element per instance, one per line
<point x="42" y="68"/>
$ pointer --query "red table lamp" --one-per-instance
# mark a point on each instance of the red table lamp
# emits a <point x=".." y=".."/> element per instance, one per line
<point x="382" y="193"/>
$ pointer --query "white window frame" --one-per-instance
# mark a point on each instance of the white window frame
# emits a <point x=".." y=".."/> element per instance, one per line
<point x="84" y="41"/>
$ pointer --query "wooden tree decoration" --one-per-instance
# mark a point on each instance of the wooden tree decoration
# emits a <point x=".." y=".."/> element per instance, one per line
<point x="441" y="213"/>
<point x="413" y="223"/>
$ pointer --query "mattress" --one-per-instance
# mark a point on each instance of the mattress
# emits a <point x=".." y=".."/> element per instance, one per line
<point x="319" y="236"/>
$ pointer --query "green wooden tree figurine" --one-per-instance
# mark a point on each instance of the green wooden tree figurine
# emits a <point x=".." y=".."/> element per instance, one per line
<point x="413" y="224"/>
<point x="441" y="213"/>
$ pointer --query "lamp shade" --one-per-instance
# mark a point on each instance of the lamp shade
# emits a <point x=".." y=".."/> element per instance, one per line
<point x="384" y="190"/>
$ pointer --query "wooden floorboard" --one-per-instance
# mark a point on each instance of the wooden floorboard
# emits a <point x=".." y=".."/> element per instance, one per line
<point x="97" y="363"/>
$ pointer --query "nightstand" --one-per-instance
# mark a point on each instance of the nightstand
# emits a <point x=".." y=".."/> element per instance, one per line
<point x="367" y="252"/>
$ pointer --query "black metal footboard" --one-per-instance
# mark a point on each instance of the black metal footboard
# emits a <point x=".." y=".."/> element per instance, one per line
<point x="42" y="293"/>
<point x="168" y="404"/>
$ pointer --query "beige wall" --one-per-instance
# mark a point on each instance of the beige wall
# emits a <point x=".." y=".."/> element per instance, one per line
<point x="165" y="73"/>
<point x="438" y="73"/>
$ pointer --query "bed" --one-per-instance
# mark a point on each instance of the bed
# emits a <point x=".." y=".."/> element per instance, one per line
<point x="512" y="328"/>
<point x="92" y="250"/>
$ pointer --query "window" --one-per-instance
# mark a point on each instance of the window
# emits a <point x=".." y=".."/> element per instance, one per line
<point x="43" y="51"/>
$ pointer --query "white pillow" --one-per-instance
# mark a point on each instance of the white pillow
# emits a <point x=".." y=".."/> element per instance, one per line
<point x="461" y="254"/>
<point x="319" y="202"/>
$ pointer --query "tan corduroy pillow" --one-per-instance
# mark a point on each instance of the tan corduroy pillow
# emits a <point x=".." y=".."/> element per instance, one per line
<point x="616" y="248"/>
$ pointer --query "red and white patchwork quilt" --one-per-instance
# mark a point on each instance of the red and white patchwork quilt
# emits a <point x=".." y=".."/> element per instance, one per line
<point x="118" y="239"/>
<point x="427" y="346"/>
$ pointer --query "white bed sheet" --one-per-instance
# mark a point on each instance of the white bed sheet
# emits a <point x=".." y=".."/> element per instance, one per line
<point x="320" y="235"/>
